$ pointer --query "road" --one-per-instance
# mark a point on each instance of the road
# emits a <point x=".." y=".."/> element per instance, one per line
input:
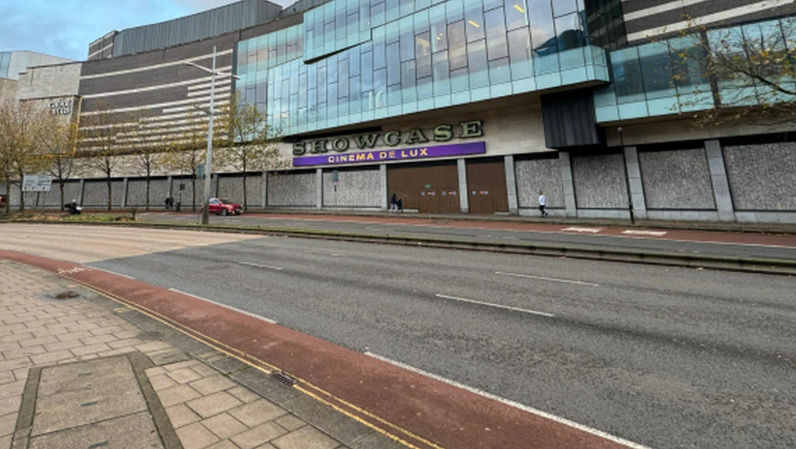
<point x="753" y="245"/>
<point x="665" y="357"/>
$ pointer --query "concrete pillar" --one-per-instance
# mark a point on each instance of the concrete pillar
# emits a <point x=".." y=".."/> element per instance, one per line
<point x="383" y="184"/>
<point x="511" y="184"/>
<point x="124" y="193"/>
<point x="718" y="176"/>
<point x="464" y="199"/>
<point x="216" y="176"/>
<point x="319" y="188"/>
<point x="82" y="189"/>
<point x="565" y="164"/>
<point x="634" y="183"/>
<point x="265" y="189"/>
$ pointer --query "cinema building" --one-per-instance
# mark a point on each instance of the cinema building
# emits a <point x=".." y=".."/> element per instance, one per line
<point x="465" y="106"/>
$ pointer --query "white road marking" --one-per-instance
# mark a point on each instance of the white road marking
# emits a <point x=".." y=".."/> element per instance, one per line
<point x="541" y="278"/>
<point x="498" y="306"/>
<point x="113" y="272"/>
<point x="577" y="229"/>
<point x="267" y="320"/>
<point x="270" y="267"/>
<point x="511" y="403"/>
<point x="634" y="232"/>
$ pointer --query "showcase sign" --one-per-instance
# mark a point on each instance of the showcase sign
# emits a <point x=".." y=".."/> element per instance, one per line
<point x="461" y="149"/>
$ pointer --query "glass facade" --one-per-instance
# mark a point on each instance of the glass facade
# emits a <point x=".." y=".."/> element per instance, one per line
<point x="5" y="63"/>
<point x="671" y="76"/>
<point x="358" y="60"/>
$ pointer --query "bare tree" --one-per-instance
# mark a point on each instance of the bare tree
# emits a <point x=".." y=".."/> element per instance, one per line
<point x="248" y="142"/>
<point x="147" y="156"/>
<point x="20" y="126"/>
<point x="187" y="153"/>
<point x="748" y="72"/>
<point x="100" y="145"/>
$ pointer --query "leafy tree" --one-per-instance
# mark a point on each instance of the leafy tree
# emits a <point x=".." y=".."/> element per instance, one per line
<point x="247" y="142"/>
<point x="188" y="152"/>
<point x="21" y="123"/>
<point x="58" y="142"/>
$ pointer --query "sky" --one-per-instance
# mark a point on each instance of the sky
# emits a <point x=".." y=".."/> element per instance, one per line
<point x="65" y="27"/>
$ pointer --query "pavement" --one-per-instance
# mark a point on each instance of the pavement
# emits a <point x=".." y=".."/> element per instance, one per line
<point x="79" y="372"/>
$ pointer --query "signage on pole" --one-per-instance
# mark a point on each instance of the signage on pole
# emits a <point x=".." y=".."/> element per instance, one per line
<point x="37" y="183"/>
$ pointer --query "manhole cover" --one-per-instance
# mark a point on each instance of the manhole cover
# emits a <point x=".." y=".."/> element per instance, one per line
<point x="61" y="296"/>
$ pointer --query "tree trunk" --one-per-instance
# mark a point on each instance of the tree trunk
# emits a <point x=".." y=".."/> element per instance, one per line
<point x="61" y="188"/>
<point x="110" y="194"/>
<point x="147" y="192"/>
<point x="245" y="196"/>
<point x="21" y="199"/>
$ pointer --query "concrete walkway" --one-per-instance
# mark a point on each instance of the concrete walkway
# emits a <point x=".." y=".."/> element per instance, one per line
<point x="91" y="376"/>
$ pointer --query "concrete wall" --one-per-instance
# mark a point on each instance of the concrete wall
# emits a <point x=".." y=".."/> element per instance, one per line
<point x="360" y="188"/>
<point x="539" y="174"/>
<point x="231" y="188"/>
<point x="53" y="197"/>
<point x="187" y="195"/>
<point x="292" y="189"/>
<point x="95" y="194"/>
<point x="762" y="177"/>
<point x="49" y="82"/>
<point x="136" y="193"/>
<point x="8" y="90"/>
<point x="600" y="181"/>
<point x="676" y="179"/>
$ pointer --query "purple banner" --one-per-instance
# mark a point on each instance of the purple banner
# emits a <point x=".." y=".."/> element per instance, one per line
<point x="460" y="149"/>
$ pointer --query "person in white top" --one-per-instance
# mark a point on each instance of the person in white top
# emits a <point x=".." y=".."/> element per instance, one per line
<point x="542" y="203"/>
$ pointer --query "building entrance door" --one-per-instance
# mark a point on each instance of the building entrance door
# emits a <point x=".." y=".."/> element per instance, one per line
<point x="486" y="183"/>
<point x="429" y="188"/>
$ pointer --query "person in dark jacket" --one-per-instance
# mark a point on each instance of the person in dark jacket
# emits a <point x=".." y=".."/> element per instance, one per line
<point x="399" y="203"/>
<point x="394" y="202"/>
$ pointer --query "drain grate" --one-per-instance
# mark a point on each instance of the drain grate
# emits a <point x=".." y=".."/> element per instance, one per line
<point x="64" y="295"/>
<point x="284" y="378"/>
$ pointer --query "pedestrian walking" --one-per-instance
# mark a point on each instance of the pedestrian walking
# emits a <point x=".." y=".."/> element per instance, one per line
<point x="399" y="203"/>
<point x="394" y="202"/>
<point x="542" y="203"/>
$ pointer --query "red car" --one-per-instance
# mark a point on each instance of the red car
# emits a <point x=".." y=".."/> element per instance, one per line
<point x="221" y="206"/>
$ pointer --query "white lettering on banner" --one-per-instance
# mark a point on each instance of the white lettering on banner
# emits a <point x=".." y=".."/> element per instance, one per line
<point x="61" y="107"/>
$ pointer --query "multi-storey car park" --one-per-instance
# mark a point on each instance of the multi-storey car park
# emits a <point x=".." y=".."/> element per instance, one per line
<point x="469" y="106"/>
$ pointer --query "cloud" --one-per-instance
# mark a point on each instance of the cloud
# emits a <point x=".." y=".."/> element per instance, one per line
<point x="66" y="28"/>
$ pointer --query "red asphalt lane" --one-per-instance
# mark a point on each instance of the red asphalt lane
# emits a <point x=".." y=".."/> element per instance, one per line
<point x="422" y="411"/>
<point x="741" y="238"/>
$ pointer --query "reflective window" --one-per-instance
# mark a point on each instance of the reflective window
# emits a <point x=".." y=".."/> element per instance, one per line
<point x="516" y="14"/>
<point x="627" y="75"/>
<point x="520" y="53"/>
<point x="479" y="70"/>
<point x="496" y="45"/>
<point x="456" y="45"/>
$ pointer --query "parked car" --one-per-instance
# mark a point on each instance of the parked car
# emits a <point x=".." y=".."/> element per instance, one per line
<point x="220" y="206"/>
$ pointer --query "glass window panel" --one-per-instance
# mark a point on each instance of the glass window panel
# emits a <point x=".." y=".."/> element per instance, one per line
<point x="342" y="76"/>
<point x="457" y="45"/>
<point x="627" y="76"/>
<point x="407" y="7"/>
<point x="392" y="10"/>
<point x="460" y="80"/>
<point x="441" y="73"/>
<point x="563" y="7"/>
<point x="656" y="69"/>
<point x="496" y="44"/>
<point x="322" y="83"/>
<point x="393" y="65"/>
<point x="379" y="87"/>
<point x="439" y="38"/>
<point x="474" y="20"/>
<point x="353" y="24"/>
<point x="331" y="73"/>
<point x="423" y="58"/>
<point x="688" y="59"/>
<point x="407" y="39"/>
<point x="312" y="105"/>
<point x="422" y="4"/>
<point x="516" y="14"/>
<point x="499" y="71"/>
<point x="367" y="71"/>
<point x="393" y="95"/>
<point x="569" y="32"/>
<point x="409" y="75"/>
<point x="520" y="53"/>
<point x="379" y="61"/>
<point x="543" y="35"/>
<point x="479" y="70"/>
<point x="492" y="4"/>
<point x="425" y="88"/>
<point x="454" y="10"/>
<point x="353" y="61"/>
<point x="421" y="21"/>
<point x="364" y="16"/>
<point x="392" y="32"/>
<point x="377" y="15"/>
<point x="331" y="96"/>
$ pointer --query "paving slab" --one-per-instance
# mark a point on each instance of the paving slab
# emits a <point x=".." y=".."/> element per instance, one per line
<point x="129" y="432"/>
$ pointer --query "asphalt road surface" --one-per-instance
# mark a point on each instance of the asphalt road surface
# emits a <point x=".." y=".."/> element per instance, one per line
<point x="666" y="357"/>
<point x="671" y="241"/>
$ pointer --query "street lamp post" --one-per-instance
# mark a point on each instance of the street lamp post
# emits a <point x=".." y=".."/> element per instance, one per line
<point x="627" y="178"/>
<point x="211" y="115"/>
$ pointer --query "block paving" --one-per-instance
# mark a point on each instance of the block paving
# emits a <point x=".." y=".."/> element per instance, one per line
<point x="206" y="408"/>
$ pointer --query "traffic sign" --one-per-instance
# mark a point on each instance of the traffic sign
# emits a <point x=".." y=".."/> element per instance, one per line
<point x="37" y="183"/>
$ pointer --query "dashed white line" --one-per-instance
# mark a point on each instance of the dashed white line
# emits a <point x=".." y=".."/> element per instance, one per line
<point x="267" y="320"/>
<point x="636" y="232"/>
<point x="511" y="403"/>
<point x="497" y="306"/>
<point x="257" y="265"/>
<point x="542" y="278"/>
<point x="576" y="229"/>
<point x="113" y="272"/>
